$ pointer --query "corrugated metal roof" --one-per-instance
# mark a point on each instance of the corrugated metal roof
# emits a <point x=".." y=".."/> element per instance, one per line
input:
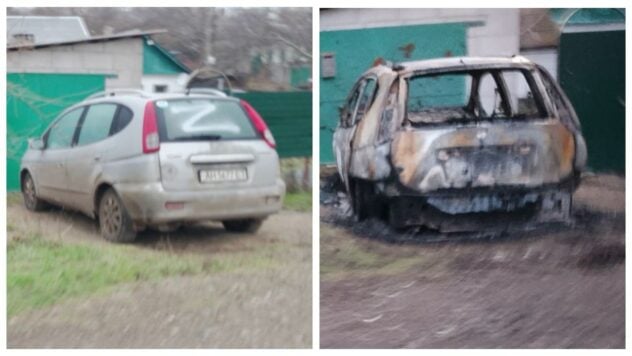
<point x="116" y="36"/>
<point x="47" y="29"/>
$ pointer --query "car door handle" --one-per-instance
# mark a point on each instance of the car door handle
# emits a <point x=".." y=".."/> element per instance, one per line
<point x="60" y="164"/>
<point x="97" y="158"/>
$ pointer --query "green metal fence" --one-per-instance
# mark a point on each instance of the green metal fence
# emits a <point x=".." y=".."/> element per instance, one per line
<point x="34" y="100"/>
<point x="289" y="116"/>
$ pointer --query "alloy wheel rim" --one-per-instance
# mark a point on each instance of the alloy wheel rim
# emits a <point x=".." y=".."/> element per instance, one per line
<point x="29" y="191"/>
<point x="111" y="216"/>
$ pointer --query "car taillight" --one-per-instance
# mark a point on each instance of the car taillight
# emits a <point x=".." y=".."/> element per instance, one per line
<point x="151" y="140"/>
<point x="260" y="125"/>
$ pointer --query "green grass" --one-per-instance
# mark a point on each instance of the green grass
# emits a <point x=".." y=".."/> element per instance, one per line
<point x="42" y="272"/>
<point x="300" y="201"/>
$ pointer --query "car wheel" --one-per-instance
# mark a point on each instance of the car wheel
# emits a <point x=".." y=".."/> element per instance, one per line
<point x="365" y="201"/>
<point x="31" y="201"/>
<point x="114" y="222"/>
<point x="242" y="225"/>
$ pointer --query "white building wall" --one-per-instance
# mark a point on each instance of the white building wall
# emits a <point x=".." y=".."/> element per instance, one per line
<point x="545" y="57"/>
<point x="494" y="32"/>
<point x="150" y="81"/>
<point x="122" y="59"/>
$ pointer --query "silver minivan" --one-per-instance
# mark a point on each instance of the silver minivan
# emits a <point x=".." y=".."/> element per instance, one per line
<point x="133" y="160"/>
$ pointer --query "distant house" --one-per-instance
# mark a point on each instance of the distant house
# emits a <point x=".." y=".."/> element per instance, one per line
<point x="161" y="70"/>
<point x="278" y="67"/>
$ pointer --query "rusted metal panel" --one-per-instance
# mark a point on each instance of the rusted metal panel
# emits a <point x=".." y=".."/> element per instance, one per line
<point x="485" y="155"/>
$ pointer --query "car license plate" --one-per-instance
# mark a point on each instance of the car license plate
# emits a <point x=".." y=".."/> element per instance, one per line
<point x="223" y="175"/>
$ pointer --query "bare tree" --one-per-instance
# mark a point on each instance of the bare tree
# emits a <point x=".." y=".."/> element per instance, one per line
<point x="230" y="35"/>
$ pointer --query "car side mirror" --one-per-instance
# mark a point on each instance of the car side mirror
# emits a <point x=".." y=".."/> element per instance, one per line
<point x="36" y="144"/>
<point x="341" y="109"/>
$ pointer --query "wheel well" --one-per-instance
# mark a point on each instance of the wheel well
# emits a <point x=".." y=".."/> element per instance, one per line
<point x="23" y="174"/>
<point x="102" y="188"/>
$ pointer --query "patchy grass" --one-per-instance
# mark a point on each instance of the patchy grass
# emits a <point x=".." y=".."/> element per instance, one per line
<point x="345" y="256"/>
<point x="300" y="201"/>
<point x="42" y="272"/>
<point x="14" y="198"/>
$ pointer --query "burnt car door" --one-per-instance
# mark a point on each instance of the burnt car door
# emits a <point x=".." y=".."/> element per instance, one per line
<point x="345" y="130"/>
<point x="563" y="109"/>
<point x="358" y="103"/>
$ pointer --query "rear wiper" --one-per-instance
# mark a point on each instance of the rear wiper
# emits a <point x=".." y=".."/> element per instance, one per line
<point x="197" y="137"/>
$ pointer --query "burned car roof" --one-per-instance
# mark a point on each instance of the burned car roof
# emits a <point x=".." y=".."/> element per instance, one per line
<point x="451" y="63"/>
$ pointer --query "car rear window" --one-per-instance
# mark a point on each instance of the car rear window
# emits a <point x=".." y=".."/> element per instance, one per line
<point x="202" y="119"/>
<point x="482" y="94"/>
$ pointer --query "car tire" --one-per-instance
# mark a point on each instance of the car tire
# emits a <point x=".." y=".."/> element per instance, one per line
<point x="29" y="194"/>
<point x="242" y="225"/>
<point x="115" y="223"/>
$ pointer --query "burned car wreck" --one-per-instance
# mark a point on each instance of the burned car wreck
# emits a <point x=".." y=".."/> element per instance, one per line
<point x="459" y="144"/>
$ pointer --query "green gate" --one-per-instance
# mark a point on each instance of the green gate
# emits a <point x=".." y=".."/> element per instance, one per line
<point x="33" y="101"/>
<point x="592" y="73"/>
<point x="289" y="117"/>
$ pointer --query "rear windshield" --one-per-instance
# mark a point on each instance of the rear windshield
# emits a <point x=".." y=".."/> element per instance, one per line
<point x="202" y="119"/>
<point x="493" y="94"/>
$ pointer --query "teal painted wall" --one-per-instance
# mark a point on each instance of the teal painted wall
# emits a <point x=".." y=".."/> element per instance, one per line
<point x="33" y="101"/>
<point x="356" y="50"/>
<point x="155" y="61"/>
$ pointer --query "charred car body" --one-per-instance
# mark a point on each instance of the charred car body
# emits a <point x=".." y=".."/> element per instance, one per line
<point x="459" y="144"/>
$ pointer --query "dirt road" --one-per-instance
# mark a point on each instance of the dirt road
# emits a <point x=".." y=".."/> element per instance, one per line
<point x="267" y="307"/>
<point x="559" y="287"/>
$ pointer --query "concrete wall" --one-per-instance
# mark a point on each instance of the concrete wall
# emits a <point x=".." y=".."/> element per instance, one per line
<point x="493" y="32"/>
<point x="122" y="59"/>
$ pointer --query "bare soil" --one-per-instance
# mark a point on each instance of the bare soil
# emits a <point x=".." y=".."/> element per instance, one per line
<point x="266" y="308"/>
<point x="553" y="287"/>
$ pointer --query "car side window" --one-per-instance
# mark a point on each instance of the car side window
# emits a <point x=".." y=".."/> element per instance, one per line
<point x="557" y="100"/>
<point x="122" y="119"/>
<point x="350" y="106"/>
<point x="366" y="99"/>
<point x="96" y="123"/>
<point x="61" y="133"/>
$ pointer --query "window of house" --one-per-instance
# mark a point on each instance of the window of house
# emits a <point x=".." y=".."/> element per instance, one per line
<point x="160" y="88"/>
